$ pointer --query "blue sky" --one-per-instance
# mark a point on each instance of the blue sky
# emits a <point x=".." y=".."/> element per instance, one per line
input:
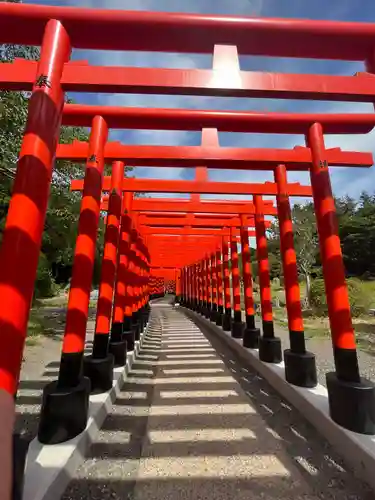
<point x="345" y="181"/>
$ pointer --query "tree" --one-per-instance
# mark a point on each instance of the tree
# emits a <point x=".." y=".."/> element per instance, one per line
<point x="306" y="243"/>
<point x="62" y="215"/>
<point x="357" y="233"/>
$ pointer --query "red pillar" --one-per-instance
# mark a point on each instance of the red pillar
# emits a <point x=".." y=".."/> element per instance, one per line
<point x="178" y="285"/>
<point x="219" y="273"/>
<point x="214" y="287"/>
<point x="300" y="367"/>
<point x="194" y="286"/>
<point x="122" y="335"/>
<point x="227" y="318"/>
<point x="197" y="280"/>
<point x="289" y="260"/>
<point x="208" y="286"/>
<point x="343" y="338"/>
<point x="83" y="264"/>
<point x="351" y="398"/>
<point x="269" y="345"/>
<point x="251" y="334"/>
<point x="27" y="209"/>
<point x="204" y="286"/>
<point x="65" y="402"/>
<point x="183" y="286"/>
<point x="109" y="264"/>
<point x="132" y="288"/>
<point x="23" y="230"/>
<point x="237" y="324"/>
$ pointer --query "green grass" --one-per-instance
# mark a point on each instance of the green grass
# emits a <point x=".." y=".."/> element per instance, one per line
<point x="37" y="327"/>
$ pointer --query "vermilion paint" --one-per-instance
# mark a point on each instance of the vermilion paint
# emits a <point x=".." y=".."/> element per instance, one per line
<point x="84" y="256"/>
<point x="22" y="234"/>
<point x="333" y="268"/>
<point x="263" y="263"/>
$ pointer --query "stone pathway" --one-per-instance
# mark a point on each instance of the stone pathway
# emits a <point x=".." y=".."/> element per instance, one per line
<point x="193" y="422"/>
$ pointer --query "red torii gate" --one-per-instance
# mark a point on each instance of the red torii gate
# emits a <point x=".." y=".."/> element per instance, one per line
<point x="59" y="28"/>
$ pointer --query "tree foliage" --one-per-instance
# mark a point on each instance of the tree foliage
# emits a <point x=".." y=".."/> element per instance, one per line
<point x="61" y="220"/>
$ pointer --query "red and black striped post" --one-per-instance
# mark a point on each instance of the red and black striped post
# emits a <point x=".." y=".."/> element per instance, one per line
<point x="65" y="401"/>
<point x="227" y="317"/>
<point x="237" y="327"/>
<point x="351" y="398"/>
<point x="133" y="289"/>
<point x="300" y="366"/>
<point x="213" y="315"/>
<point x="204" y="287"/>
<point x="220" y="303"/>
<point x="199" y="288"/>
<point x="194" y="287"/>
<point x="251" y="333"/>
<point x="122" y="338"/>
<point x="178" y="285"/>
<point x="183" y="301"/>
<point x="99" y="367"/>
<point x="189" y="286"/>
<point x="22" y="235"/>
<point x="208" y="287"/>
<point x="269" y="345"/>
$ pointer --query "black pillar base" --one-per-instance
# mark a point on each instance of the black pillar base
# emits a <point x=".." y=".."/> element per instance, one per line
<point x="251" y="338"/>
<point x="237" y="329"/>
<point x="352" y="404"/>
<point x="129" y="338"/>
<point x="100" y="372"/>
<point x="136" y="327"/>
<point x="118" y="350"/>
<point x="213" y="313"/>
<point x="219" y="315"/>
<point x="238" y="325"/>
<point x="64" y="412"/>
<point x="300" y="368"/>
<point x="20" y="449"/>
<point x="270" y="349"/>
<point x="116" y="332"/>
<point x="207" y="312"/>
<point x="227" y="320"/>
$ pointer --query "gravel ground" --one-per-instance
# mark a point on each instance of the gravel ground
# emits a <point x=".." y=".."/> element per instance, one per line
<point x="194" y="422"/>
<point x="322" y="348"/>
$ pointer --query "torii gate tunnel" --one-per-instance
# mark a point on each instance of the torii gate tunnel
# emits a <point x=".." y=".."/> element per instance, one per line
<point x="188" y="246"/>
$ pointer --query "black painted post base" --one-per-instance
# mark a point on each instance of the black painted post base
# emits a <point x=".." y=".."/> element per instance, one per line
<point x="129" y="338"/>
<point x="227" y="320"/>
<point x="145" y="316"/>
<point x="270" y="349"/>
<point x="237" y="329"/>
<point x="118" y="350"/>
<point x="300" y="368"/>
<point x="208" y="310"/>
<point x="352" y="404"/>
<point x="100" y="372"/>
<point x="136" y="327"/>
<point x="116" y="332"/>
<point x="251" y="338"/>
<point x="219" y="315"/>
<point x="238" y="326"/>
<point x="64" y="412"/>
<point x="213" y="313"/>
<point x="20" y="449"/>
